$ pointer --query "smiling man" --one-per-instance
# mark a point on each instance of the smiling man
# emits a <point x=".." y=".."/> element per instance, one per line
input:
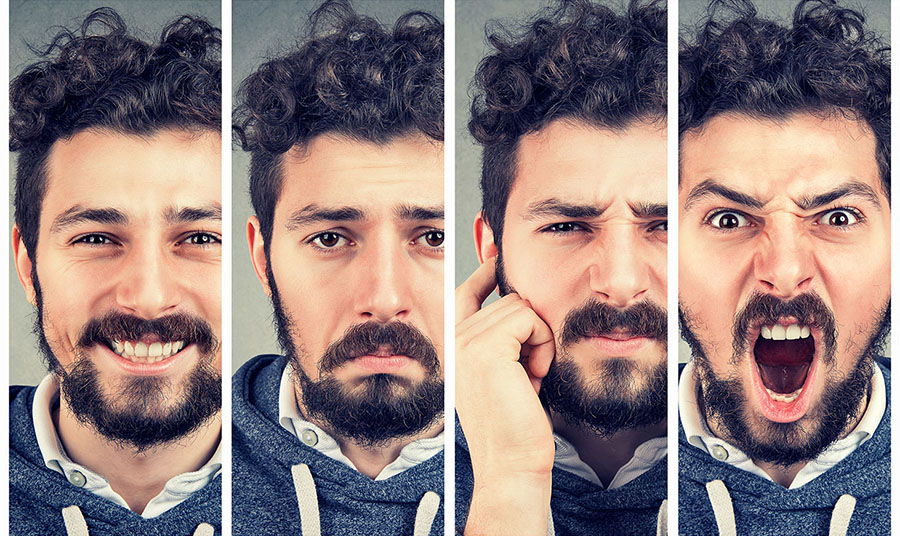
<point x="344" y="434"/>
<point x="785" y="276"/>
<point x="561" y="383"/>
<point x="122" y="437"/>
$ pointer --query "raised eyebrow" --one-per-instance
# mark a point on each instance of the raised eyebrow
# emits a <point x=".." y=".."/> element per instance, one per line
<point x="555" y="207"/>
<point x="315" y="213"/>
<point x="79" y="214"/>
<point x="711" y="188"/>
<point x="416" y="213"/>
<point x="650" y="210"/>
<point x="856" y="188"/>
<point x="175" y="215"/>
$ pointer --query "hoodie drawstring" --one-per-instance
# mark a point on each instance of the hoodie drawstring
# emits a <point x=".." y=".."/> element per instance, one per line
<point x="307" y="501"/>
<point x="840" y="516"/>
<point x="662" y="519"/>
<point x="74" y="520"/>
<point x="428" y="507"/>
<point x="204" y="529"/>
<point x="722" y="507"/>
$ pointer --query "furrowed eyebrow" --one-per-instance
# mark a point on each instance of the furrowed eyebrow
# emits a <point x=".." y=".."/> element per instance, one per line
<point x="191" y="214"/>
<point x="849" y="188"/>
<point x="711" y="188"/>
<point x="413" y="213"/>
<point x="556" y="208"/>
<point x="77" y="214"/>
<point x="650" y="210"/>
<point x="315" y="213"/>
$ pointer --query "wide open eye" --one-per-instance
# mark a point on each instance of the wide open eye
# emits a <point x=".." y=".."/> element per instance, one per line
<point x="839" y="217"/>
<point x="727" y="220"/>
<point x="433" y="238"/>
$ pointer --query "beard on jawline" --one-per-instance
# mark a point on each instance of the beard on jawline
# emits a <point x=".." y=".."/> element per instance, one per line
<point x="380" y="407"/>
<point x="137" y="413"/>
<point x="616" y="394"/>
<point x="723" y="400"/>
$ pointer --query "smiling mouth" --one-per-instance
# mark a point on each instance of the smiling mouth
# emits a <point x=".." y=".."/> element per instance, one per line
<point x="784" y="354"/>
<point x="145" y="353"/>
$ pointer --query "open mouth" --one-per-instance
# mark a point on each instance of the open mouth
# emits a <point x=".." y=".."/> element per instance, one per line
<point x="146" y="352"/>
<point x="784" y="355"/>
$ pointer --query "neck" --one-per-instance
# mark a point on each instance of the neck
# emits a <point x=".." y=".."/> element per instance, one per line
<point x="606" y="454"/>
<point x="136" y="476"/>
<point x="370" y="461"/>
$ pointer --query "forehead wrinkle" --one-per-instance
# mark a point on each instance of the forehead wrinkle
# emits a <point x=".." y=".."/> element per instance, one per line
<point x="79" y="214"/>
<point x="554" y="207"/>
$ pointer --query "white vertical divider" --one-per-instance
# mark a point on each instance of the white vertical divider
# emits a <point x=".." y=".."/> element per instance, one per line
<point x="449" y="264"/>
<point x="227" y="244"/>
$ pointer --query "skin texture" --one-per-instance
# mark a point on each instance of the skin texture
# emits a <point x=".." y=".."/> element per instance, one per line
<point x="149" y="266"/>
<point x="779" y="248"/>
<point x="333" y="274"/>
<point x="556" y="262"/>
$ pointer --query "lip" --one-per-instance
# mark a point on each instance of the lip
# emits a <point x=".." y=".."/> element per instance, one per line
<point x="147" y="369"/>
<point x="378" y="364"/>
<point x="774" y="410"/>
<point x="619" y="347"/>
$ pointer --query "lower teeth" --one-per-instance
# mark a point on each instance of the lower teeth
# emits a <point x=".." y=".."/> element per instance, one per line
<point x="790" y="397"/>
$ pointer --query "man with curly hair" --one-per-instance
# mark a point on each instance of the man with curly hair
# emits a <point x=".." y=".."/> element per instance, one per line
<point x="344" y="433"/>
<point x="784" y="273"/>
<point x="561" y="383"/>
<point x="120" y="252"/>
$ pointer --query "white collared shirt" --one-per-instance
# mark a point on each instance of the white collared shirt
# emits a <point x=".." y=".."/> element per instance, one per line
<point x="645" y="455"/>
<point x="311" y="435"/>
<point x="176" y="490"/>
<point x="699" y="435"/>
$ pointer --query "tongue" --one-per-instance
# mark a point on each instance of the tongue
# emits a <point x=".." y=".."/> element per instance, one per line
<point x="783" y="365"/>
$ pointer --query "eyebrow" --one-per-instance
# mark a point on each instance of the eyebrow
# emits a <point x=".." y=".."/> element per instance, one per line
<point x="415" y="213"/>
<point x="849" y="188"/>
<point x="79" y="214"/>
<point x="315" y="213"/>
<point x="650" y="210"/>
<point x="192" y="214"/>
<point x="711" y="188"/>
<point x="555" y="207"/>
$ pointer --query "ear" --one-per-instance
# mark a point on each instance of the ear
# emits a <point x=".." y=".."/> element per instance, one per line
<point x="23" y="265"/>
<point x="258" y="252"/>
<point x="484" y="239"/>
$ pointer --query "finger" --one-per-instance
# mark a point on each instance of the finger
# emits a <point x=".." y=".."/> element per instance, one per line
<point x="474" y="290"/>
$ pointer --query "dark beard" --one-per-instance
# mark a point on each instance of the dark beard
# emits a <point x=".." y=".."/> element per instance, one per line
<point x="382" y="407"/>
<point x="140" y="415"/>
<point x="609" y="400"/>
<point x="785" y="444"/>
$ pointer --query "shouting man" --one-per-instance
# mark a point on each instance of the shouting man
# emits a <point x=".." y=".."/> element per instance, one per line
<point x="344" y="434"/>
<point x="561" y="383"/>
<point x="119" y="250"/>
<point x="785" y="275"/>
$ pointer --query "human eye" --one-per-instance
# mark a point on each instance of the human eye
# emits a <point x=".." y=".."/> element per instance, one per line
<point x="565" y="227"/>
<point x="840" y="217"/>
<point x="93" y="239"/>
<point x="328" y="240"/>
<point x="202" y="239"/>
<point x="432" y="239"/>
<point x="727" y="220"/>
<point x="659" y="226"/>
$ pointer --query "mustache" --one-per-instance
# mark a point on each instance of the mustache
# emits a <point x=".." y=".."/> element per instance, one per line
<point x="371" y="337"/>
<point x="809" y="309"/>
<point x="175" y="327"/>
<point x="595" y="319"/>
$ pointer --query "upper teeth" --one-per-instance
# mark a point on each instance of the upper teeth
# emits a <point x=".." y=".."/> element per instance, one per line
<point x="780" y="333"/>
<point x="140" y="352"/>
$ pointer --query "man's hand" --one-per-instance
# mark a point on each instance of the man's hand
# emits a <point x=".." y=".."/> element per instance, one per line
<point x="502" y="353"/>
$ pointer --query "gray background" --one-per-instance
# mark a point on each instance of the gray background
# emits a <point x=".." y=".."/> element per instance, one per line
<point x="264" y="29"/>
<point x="31" y="22"/>
<point x="878" y="19"/>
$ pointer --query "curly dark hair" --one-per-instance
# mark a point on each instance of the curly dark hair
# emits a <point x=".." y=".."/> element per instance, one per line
<point x="110" y="80"/>
<point x="577" y="60"/>
<point x="352" y="77"/>
<point x="825" y="63"/>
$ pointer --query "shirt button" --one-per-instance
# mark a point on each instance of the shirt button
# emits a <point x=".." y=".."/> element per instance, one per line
<point x="719" y="453"/>
<point x="77" y="479"/>
<point x="309" y="438"/>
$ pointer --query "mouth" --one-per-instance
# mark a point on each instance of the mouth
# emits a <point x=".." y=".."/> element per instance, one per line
<point x="784" y="354"/>
<point x="146" y="352"/>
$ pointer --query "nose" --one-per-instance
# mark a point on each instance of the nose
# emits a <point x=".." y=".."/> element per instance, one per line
<point x="147" y="282"/>
<point x="620" y="273"/>
<point x="783" y="262"/>
<point x="383" y="291"/>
